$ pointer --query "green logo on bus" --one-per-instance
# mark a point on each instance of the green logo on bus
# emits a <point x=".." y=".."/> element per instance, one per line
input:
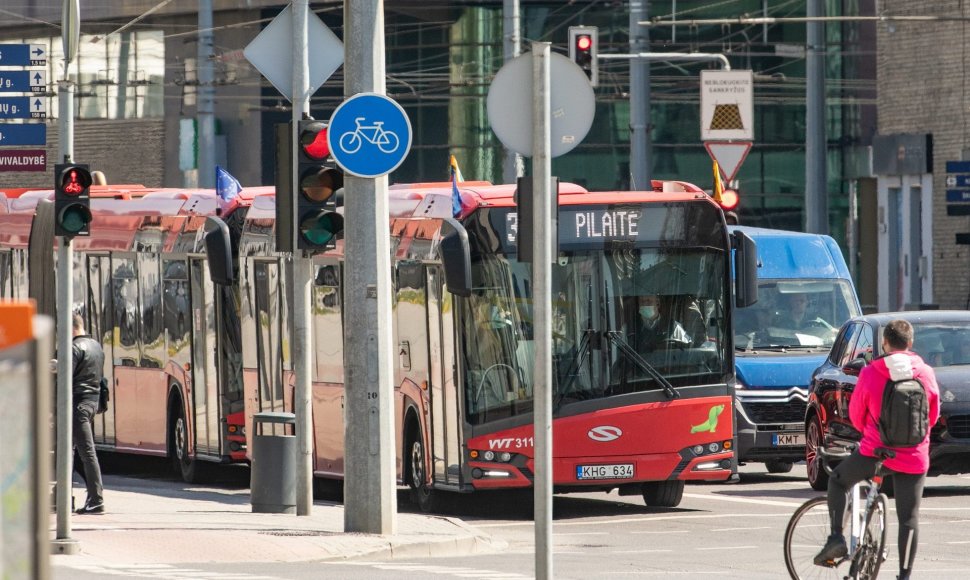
<point x="711" y="424"/>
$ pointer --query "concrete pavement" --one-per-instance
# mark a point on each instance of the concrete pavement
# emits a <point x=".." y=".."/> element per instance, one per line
<point x="164" y="522"/>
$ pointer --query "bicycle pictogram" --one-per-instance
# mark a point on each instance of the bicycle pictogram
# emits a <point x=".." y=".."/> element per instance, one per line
<point x="375" y="134"/>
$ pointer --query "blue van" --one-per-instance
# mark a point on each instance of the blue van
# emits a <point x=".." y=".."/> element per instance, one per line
<point x="805" y="293"/>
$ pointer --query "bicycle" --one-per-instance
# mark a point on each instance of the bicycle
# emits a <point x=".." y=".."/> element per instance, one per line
<point x="386" y="141"/>
<point x="865" y="520"/>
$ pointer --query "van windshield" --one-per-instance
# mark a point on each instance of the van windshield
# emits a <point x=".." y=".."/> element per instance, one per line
<point x="795" y="314"/>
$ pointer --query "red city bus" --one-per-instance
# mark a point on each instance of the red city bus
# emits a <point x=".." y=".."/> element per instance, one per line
<point x="171" y="335"/>
<point x="643" y="420"/>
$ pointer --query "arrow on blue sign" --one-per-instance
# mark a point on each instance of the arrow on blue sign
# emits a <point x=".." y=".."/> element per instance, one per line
<point x="25" y="134"/>
<point x="20" y="81"/>
<point x="22" y="54"/>
<point x="19" y="108"/>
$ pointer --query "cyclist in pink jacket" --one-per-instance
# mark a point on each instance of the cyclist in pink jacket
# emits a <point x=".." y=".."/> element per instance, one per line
<point x="910" y="464"/>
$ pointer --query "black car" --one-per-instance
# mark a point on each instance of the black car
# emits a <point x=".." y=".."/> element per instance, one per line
<point x="942" y="338"/>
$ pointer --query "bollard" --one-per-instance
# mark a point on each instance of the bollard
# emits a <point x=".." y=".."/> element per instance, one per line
<point x="272" y="483"/>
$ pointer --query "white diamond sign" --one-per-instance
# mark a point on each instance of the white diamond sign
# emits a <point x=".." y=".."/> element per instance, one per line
<point x="271" y="52"/>
<point x="729" y="155"/>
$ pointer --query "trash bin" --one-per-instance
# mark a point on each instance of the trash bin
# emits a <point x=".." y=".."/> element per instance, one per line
<point x="272" y="477"/>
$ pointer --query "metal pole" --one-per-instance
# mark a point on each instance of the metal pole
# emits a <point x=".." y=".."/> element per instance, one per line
<point x="542" y="300"/>
<point x="63" y="543"/>
<point x="370" y="486"/>
<point x="205" y="110"/>
<point x="512" y="165"/>
<point x="641" y="158"/>
<point x="302" y="278"/>
<point x="816" y="191"/>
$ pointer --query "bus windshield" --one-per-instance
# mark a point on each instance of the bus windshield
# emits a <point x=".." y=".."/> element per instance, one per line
<point x="627" y="318"/>
<point x="795" y="314"/>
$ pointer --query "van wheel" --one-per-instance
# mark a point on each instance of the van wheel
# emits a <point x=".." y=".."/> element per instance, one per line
<point x="427" y="498"/>
<point x="183" y="463"/>
<point x="817" y="478"/>
<point x="663" y="493"/>
<point x="778" y="466"/>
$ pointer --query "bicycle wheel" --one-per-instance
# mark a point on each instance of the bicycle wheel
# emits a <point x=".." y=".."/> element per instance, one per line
<point x="350" y="142"/>
<point x="805" y="535"/>
<point x="869" y="556"/>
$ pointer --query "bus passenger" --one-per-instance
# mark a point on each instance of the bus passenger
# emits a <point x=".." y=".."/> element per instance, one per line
<point x="88" y="365"/>
<point x="655" y="326"/>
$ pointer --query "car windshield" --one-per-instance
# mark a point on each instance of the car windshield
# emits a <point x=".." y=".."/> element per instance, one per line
<point x="795" y="314"/>
<point x="943" y="344"/>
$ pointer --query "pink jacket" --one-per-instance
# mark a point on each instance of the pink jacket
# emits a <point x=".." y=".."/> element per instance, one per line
<point x="866" y="404"/>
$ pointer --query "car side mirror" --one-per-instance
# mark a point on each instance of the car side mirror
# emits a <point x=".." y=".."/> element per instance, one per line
<point x="854" y="366"/>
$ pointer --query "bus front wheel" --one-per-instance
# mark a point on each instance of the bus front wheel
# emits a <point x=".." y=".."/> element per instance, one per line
<point x="427" y="498"/>
<point x="663" y="493"/>
<point x="183" y="463"/>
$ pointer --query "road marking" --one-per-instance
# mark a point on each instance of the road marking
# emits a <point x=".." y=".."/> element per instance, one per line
<point x="740" y="529"/>
<point x="560" y="534"/>
<point x="644" y="519"/>
<point x="638" y="551"/>
<point x="661" y="532"/>
<point x="159" y="572"/>
<point x="457" y="571"/>
<point x="728" y="548"/>
<point x="967" y="542"/>
<point x="744" y="500"/>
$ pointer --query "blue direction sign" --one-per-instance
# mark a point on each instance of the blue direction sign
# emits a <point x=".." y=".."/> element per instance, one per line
<point x="23" y="108"/>
<point x="23" y="54"/>
<point x="958" y="166"/>
<point x="23" y="134"/>
<point x="23" y="81"/>
<point x="957" y="195"/>
<point x="369" y="135"/>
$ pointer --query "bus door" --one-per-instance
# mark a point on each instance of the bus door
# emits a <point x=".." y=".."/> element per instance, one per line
<point x="100" y="327"/>
<point x="271" y="320"/>
<point x="446" y="423"/>
<point x="205" y="380"/>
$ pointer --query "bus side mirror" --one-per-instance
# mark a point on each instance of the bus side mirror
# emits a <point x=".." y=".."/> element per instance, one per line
<point x="456" y="258"/>
<point x="745" y="269"/>
<point x="218" y="251"/>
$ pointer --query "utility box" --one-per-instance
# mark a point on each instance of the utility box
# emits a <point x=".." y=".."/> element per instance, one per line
<point x="272" y="483"/>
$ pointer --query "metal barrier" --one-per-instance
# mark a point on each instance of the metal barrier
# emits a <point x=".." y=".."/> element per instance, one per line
<point x="272" y="482"/>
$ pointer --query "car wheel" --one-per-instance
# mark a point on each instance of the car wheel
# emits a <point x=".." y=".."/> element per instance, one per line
<point x="817" y="477"/>
<point x="184" y="464"/>
<point x="778" y="466"/>
<point x="663" y="493"/>
<point x="423" y="494"/>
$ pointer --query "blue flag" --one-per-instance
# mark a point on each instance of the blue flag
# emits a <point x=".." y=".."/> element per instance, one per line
<point x="455" y="194"/>
<point x="227" y="187"/>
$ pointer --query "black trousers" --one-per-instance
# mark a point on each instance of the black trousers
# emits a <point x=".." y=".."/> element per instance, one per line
<point x="84" y="412"/>
<point x="909" y="492"/>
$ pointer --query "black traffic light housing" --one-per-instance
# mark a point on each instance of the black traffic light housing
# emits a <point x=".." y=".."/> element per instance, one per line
<point x="72" y="202"/>
<point x="317" y="221"/>
<point x="306" y="211"/>
<point x="584" y="50"/>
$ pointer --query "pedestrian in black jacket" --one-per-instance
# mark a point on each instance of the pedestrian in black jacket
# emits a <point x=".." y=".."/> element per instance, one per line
<point x="88" y="358"/>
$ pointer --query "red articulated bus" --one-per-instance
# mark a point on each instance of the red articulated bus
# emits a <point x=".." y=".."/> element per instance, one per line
<point x="643" y="420"/>
<point x="171" y="335"/>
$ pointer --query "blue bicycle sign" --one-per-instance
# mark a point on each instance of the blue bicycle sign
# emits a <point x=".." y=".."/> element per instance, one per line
<point x="386" y="141"/>
<point x="369" y="135"/>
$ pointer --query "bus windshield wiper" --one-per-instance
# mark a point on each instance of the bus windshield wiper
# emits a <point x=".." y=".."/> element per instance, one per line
<point x="576" y="364"/>
<point x="617" y="339"/>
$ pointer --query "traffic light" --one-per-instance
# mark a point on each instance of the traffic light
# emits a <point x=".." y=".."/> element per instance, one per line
<point x="72" y="206"/>
<point x="729" y="203"/>
<point x="583" y="50"/>
<point x="317" y="221"/>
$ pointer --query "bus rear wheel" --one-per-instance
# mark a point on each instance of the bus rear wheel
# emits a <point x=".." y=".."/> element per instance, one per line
<point x="427" y="498"/>
<point x="182" y="462"/>
<point x="663" y="493"/>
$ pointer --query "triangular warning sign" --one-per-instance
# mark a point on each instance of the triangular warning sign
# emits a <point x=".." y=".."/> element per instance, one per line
<point x="729" y="155"/>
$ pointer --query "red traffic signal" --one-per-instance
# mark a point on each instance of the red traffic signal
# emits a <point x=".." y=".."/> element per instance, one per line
<point x="729" y="199"/>
<point x="72" y="208"/>
<point x="583" y="42"/>
<point x="313" y="140"/>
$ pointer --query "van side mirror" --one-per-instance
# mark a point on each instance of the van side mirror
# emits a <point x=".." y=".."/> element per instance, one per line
<point x="745" y="269"/>
<point x="218" y="251"/>
<point x="456" y="258"/>
<point x="854" y="366"/>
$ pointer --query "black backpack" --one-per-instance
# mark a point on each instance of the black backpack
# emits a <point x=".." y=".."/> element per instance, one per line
<point x="905" y="416"/>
